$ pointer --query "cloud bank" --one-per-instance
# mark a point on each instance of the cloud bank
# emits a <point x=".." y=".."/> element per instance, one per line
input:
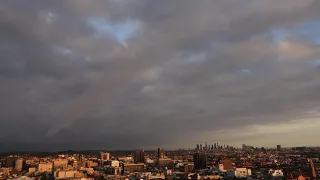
<point x="127" y="74"/>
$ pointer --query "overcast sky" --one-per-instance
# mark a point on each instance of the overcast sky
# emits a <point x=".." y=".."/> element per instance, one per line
<point x="80" y="74"/>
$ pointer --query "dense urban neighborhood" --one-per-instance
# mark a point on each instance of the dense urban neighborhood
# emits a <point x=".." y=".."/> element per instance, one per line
<point x="204" y="162"/>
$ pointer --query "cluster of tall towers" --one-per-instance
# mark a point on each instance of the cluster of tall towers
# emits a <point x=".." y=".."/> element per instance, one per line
<point x="213" y="146"/>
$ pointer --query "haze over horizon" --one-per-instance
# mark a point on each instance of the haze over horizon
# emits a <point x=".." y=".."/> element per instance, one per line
<point x="115" y="74"/>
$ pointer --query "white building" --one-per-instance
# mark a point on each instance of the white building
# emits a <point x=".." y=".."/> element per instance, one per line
<point x="126" y="159"/>
<point x="276" y="173"/>
<point x="242" y="172"/>
<point x="113" y="163"/>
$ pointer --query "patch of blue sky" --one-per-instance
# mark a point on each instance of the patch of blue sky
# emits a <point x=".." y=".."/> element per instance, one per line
<point x="122" y="31"/>
<point x="279" y="35"/>
<point x="310" y="30"/>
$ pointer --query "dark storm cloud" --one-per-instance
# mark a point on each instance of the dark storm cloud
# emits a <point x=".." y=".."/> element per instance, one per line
<point x="153" y="73"/>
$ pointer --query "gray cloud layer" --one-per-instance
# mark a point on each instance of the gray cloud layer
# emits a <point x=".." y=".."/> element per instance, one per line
<point x="188" y="68"/>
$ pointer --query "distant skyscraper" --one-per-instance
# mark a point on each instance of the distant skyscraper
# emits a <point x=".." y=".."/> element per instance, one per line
<point x="211" y="147"/>
<point x="161" y="153"/>
<point x="105" y="156"/>
<point x="139" y="157"/>
<point x="206" y="146"/>
<point x="278" y="147"/>
<point x="200" y="161"/>
<point x="158" y="153"/>
<point x="244" y="147"/>
<point x="215" y="145"/>
<point x="200" y="147"/>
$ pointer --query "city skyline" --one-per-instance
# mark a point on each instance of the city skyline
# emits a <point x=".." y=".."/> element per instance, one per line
<point x="218" y="163"/>
<point x="33" y="148"/>
<point x="109" y="74"/>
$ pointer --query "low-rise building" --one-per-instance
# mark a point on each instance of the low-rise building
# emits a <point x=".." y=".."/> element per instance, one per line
<point x="276" y="173"/>
<point x="164" y="162"/>
<point x="62" y="174"/>
<point x="45" y="167"/>
<point x="139" y="167"/>
<point x="60" y="163"/>
<point x="32" y="170"/>
<point x="91" y="163"/>
<point x="5" y="171"/>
